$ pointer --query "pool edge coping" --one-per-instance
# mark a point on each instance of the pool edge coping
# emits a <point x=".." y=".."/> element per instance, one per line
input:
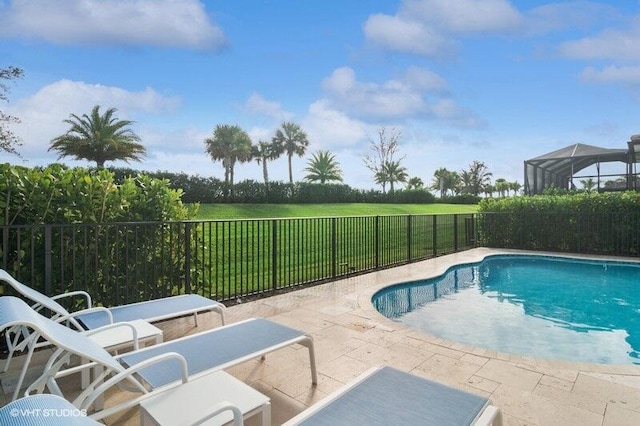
<point x="364" y="301"/>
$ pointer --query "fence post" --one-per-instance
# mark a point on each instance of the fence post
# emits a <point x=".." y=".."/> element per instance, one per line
<point x="455" y="233"/>
<point x="376" y="240"/>
<point x="48" y="268"/>
<point x="274" y="254"/>
<point x="435" y="236"/>
<point x="334" y="247"/>
<point x="409" y="229"/>
<point x="187" y="257"/>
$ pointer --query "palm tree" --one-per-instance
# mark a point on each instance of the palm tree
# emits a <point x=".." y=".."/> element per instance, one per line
<point x="588" y="184"/>
<point x="393" y="172"/>
<point x="229" y="144"/>
<point x="99" y="138"/>
<point x="323" y="167"/>
<point x="502" y="187"/>
<point x="264" y="152"/>
<point x="489" y="189"/>
<point x="475" y="178"/>
<point x="445" y="181"/>
<point x="414" y="183"/>
<point x="293" y="140"/>
<point x="515" y="187"/>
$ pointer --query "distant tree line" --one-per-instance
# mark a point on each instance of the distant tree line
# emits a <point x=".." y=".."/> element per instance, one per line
<point x="103" y="137"/>
<point x="199" y="189"/>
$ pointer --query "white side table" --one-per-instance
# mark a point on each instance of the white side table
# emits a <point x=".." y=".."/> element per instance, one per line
<point x="115" y="339"/>
<point x="194" y="400"/>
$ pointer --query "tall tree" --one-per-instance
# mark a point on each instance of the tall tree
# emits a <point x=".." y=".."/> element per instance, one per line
<point x="588" y="184"/>
<point x="392" y="172"/>
<point x="515" y="187"/>
<point x="99" y="138"/>
<point x="264" y="152"/>
<point x="475" y="178"/>
<point x="292" y="140"/>
<point x="445" y="181"/>
<point x="502" y="187"/>
<point x="230" y="145"/>
<point x="382" y="153"/>
<point x="323" y="167"/>
<point x="489" y="189"/>
<point x="8" y="140"/>
<point x="414" y="183"/>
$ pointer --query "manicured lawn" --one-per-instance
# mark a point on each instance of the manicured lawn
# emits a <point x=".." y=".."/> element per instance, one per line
<point x="252" y="211"/>
<point x="252" y="248"/>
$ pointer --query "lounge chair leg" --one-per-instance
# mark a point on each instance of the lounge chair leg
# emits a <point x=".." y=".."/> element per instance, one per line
<point x="312" y="359"/>
<point x="265" y="417"/>
<point x="23" y="372"/>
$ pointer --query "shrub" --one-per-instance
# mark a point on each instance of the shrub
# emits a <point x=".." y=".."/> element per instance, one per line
<point x="411" y="196"/>
<point x="607" y="223"/>
<point x="108" y="256"/>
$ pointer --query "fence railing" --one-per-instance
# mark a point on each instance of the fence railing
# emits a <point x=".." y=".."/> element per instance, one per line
<point x="222" y="259"/>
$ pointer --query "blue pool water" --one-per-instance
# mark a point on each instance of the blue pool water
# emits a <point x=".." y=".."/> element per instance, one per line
<point x="542" y="306"/>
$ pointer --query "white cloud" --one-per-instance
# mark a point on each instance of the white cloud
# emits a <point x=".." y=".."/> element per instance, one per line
<point x="612" y="74"/>
<point x="42" y="114"/>
<point x="259" y="105"/>
<point x="418" y="93"/>
<point x="464" y="16"/>
<point x="391" y="99"/>
<point x="162" y="23"/>
<point x="328" y="127"/>
<point x="424" y="79"/>
<point x="568" y="15"/>
<point x="448" y="110"/>
<point x="405" y="35"/>
<point x="623" y="45"/>
<point x="429" y="27"/>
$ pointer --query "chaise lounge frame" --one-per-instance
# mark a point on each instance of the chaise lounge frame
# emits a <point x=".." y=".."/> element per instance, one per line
<point x="151" y="369"/>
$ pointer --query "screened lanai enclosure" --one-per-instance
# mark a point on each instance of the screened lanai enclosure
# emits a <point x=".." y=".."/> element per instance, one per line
<point x="566" y="167"/>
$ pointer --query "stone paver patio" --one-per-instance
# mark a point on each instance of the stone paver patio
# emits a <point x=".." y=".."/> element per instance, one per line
<point x="351" y="337"/>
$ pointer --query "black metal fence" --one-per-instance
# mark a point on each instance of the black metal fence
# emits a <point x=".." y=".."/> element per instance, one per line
<point x="224" y="259"/>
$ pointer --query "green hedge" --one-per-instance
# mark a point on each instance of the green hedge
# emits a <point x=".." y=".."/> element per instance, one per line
<point x="86" y="251"/>
<point x="57" y="194"/>
<point x="604" y="223"/>
<point x="208" y="190"/>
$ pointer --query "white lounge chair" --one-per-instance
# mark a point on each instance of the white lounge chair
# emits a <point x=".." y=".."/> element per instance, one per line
<point x="152" y="369"/>
<point x="92" y="317"/>
<point x="95" y="317"/>
<point x="386" y="396"/>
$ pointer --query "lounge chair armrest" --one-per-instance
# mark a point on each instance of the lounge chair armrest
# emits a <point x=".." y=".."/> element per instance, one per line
<point x="86" y="296"/>
<point x="86" y="398"/>
<point x="220" y="408"/>
<point x="134" y="331"/>
<point x="72" y="316"/>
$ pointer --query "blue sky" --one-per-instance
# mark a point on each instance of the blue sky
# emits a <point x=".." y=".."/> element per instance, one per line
<point x="491" y="80"/>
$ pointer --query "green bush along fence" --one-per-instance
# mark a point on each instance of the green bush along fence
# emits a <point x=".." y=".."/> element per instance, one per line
<point x="607" y="233"/>
<point x="223" y="259"/>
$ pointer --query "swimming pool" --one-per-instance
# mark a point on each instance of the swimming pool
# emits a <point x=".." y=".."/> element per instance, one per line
<point x="541" y="306"/>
